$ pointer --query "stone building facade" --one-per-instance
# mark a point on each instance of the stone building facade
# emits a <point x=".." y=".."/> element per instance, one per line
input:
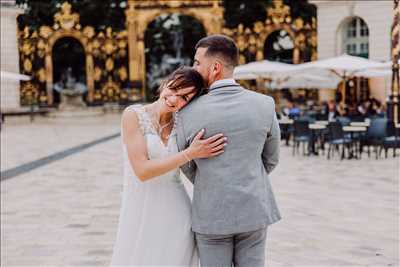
<point x="10" y="97"/>
<point x="334" y="18"/>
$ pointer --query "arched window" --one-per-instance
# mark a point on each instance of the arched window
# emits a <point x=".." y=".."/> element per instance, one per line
<point x="355" y="38"/>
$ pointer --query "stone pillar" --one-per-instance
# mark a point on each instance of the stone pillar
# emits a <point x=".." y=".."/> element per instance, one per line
<point x="90" y="75"/>
<point x="10" y="89"/>
<point x="135" y="72"/>
<point x="132" y="32"/>
<point x="217" y="18"/>
<point x="49" y="78"/>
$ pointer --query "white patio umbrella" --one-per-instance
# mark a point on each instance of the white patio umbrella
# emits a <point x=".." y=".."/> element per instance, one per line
<point x="389" y="64"/>
<point x="344" y="67"/>
<point x="371" y="73"/>
<point x="306" y="81"/>
<point x="14" y="76"/>
<point x="262" y="69"/>
<point x="245" y="76"/>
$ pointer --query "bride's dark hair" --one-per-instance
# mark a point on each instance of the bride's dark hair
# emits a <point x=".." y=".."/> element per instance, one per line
<point x="185" y="77"/>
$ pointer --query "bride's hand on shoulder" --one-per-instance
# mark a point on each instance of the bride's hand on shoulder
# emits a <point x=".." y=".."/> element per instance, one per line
<point x="206" y="148"/>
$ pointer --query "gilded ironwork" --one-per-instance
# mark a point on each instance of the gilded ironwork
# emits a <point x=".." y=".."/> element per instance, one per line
<point x="105" y="55"/>
<point x="251" y="41"/>
<point x="41" y="75"/>
<point x="65" y="19"/>
<point x="27" y="65"/>
<point x="141" y="12"/>
<point x="123" y="74"/>
<point x="115" y="61"/>
<point x="29" y="93"/>
<point x="279" y="14"/>
<point x="110" y="91"/>
<point x="110" y="50"/>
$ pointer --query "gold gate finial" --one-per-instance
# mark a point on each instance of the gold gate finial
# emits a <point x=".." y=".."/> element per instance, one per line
<point x="65" y="19"/>
<point x="279" y="12"/>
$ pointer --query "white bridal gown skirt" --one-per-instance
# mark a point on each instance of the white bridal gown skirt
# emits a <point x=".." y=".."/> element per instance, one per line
<point x="155" y="226"/>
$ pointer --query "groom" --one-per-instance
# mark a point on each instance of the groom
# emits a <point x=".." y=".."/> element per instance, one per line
<point x="233" y="201"/>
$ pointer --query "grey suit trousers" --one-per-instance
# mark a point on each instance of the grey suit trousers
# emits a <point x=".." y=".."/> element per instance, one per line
<point x="240" y="250"/>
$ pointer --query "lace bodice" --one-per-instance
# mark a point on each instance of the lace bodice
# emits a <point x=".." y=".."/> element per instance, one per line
<point x="155" y="147"/>
<point x="143" y="239"/>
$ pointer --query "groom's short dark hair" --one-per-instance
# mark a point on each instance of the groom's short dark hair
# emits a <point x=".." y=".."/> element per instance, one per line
<point x="220" y="45"/>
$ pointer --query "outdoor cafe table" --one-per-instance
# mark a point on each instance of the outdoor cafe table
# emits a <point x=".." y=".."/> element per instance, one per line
<point x="359" y="123"/>
<point x="352" y="130"/>
<point x="316" y="126"/>
<point x="315" y="129"/>
<point x="285" y="121"/>
<point x="322" y="122"/>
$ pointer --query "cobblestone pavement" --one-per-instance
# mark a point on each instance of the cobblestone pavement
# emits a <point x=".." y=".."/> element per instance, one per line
<point x="335" y="213"/>
<point x="22" y="141"/>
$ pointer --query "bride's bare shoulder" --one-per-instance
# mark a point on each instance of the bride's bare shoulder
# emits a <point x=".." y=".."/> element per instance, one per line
<point x="132" y="108"/>
<point x="131" y="117"/>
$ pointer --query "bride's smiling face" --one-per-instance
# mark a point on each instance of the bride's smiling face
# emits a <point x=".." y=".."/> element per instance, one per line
<point x="173" y="100"/>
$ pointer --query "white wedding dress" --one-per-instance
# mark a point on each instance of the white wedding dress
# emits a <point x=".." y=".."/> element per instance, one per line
<point x="154" y="226"/>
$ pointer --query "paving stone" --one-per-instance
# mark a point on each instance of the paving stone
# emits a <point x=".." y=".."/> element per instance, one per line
<point x="335" y="213"/>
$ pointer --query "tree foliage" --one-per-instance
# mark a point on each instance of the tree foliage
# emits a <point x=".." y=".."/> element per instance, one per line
<point x="248" y="12"/>
<point x="244" y="12"/>
<point x="99" y="14"/>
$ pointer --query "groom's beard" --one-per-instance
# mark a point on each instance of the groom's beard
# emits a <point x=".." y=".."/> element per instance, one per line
<point x="209" y="80"/>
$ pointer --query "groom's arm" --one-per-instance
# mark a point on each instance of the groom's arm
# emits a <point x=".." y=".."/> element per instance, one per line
<point x="270" y="154"/>
<point x="189" y="169"/>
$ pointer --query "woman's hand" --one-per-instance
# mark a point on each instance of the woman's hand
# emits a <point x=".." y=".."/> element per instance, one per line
<point x="206" y="148"/>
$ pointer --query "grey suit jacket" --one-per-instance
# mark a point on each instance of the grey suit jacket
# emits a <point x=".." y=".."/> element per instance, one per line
<point x="232" y="192"/>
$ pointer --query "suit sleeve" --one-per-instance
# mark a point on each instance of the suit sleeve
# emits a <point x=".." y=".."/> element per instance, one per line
<point x="189" y="169"/>
<point x="270" y="154"/>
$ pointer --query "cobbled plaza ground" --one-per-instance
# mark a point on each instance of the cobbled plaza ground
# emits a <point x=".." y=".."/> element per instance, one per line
<point x="65" y="212"/>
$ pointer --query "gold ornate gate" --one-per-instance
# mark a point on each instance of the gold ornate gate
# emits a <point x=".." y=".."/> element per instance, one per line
<point x="251" y="40"/>
<point x="141" y="12"/>
<point x="116" y="60"/>
<point x="106" y="59"/>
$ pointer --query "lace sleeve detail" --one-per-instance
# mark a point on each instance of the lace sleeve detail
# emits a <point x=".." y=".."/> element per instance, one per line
<point x="144" y="120"/>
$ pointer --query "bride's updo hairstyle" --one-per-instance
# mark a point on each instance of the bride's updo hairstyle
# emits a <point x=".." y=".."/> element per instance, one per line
<point x="185" y="77"/>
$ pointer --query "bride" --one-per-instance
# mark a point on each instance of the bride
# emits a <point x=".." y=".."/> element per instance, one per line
<point x="154" y="224"/>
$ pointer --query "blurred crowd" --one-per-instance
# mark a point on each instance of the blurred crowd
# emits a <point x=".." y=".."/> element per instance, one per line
<point x="330" y="110"/>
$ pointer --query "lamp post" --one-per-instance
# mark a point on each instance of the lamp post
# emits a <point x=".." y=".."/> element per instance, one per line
<point x="393" y="103"/>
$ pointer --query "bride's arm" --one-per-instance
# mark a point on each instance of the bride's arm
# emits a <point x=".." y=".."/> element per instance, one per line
<point x="145" y="168"/>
